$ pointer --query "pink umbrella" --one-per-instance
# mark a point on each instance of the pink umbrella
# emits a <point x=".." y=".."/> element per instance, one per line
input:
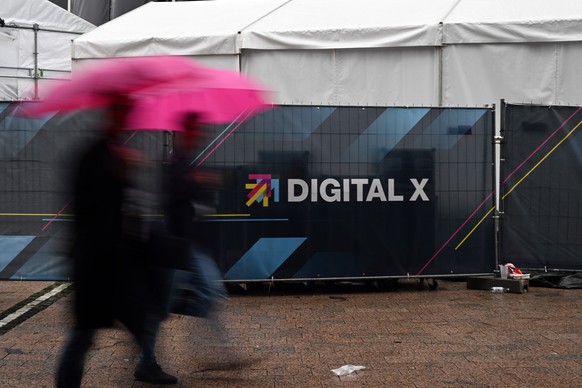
<point x="163" y="88"/>
<point x="218" y="96"/>
<point x="94" y="85"/>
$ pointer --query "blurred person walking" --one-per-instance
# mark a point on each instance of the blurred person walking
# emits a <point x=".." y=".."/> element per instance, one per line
<point x="187" y="198"/>
<point x="199" y="289"/>
<point x="97" y="256"/>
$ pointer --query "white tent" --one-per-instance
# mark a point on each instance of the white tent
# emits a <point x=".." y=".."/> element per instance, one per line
<point x="209" y="30"/>
<point x="520" y="50"/>
<point x="35" y="42"/>
<point x="367" y="52"/>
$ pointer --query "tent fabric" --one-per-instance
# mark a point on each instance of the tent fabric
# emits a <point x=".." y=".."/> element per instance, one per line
<point x="213" y="27"/>
<point x="180" y="28"/>
<point x="368" y="76"/>
<point x="329" y="24"/>
<point x="517" y="73"/>
<point x="227" y="26"/>
<point x="369" y="52"/>
<point x="515" y="21"/>
<point x="43" y="12"/>
<point x="523" y="51"/>
<point x="56" y="29"/>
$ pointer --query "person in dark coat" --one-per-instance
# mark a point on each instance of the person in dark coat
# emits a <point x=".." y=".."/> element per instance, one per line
<point x="189" y="196"/>
<point x="184" y="189"/>
<point x="99" y="266"/>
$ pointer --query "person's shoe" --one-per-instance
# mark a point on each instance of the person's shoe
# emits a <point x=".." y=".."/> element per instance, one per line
<point x="153" y="373"/>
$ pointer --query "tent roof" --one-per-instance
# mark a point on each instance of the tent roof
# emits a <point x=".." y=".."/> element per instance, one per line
<point x="47" y="15"/>
<point x="27" y="51"/>
<point x="179" y="28"/>
<point x="502" y="21"/>
<point x="227" y="26"/>
<point x="320" y="24"/>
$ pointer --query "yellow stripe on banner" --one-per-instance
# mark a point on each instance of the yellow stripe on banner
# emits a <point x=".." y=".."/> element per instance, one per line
<point x="474" y="228"/>
<point x="542" y="159"/>
<point x="143" y="215"/>
<point x="262" y="190"/>
<point x="521" y="180"/>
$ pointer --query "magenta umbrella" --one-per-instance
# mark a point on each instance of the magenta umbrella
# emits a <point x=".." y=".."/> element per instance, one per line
<point x="218" y="96"/>
<point x="93" y="86"/>
<point x="163" y="89"/>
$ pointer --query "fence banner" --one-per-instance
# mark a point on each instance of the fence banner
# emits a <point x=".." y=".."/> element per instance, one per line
<point x="309" y="192"/>
<point x="541" y="187"/>
<point x="345" y="192"/>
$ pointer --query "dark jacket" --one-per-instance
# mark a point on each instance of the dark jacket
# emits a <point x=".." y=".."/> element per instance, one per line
<point x="98" y="196"/>
<point x="179" y="192"/>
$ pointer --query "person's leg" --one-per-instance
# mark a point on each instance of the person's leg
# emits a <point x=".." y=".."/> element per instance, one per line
<point x="145" y="332"/>
<point x="146" y="340"/>
<point x="72" y="360"/>
<point x="148" y="369"/>
<point x="158" y="310"/>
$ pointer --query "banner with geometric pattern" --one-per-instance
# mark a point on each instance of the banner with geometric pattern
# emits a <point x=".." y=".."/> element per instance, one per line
<point x="541" y="187"/>
<point x="309" y="192"/>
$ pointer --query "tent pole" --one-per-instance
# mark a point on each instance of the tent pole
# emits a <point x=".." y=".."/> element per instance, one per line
<point x="498" y="138"/>
<point x="35" y="28"/>
<point x="440" y="76"/>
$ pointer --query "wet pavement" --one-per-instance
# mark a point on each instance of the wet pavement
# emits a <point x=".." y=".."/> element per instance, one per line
<point x="295" y="336"/>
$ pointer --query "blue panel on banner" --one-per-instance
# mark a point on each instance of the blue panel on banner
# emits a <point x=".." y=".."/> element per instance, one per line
<point x="48" y="263"/>
<point x="4" y="105"/>
<point x="286" y="126"/>
<point x="17" y="132"/>
<point x="264" y="257"/>
<point x="450" y="127"/>
<point x="10" y="246"/>
<point x="384" y="133"/>
<point x="329" y="265"/>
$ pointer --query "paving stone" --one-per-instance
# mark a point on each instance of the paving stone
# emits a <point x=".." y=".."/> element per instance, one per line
<point x="449" y="337"/>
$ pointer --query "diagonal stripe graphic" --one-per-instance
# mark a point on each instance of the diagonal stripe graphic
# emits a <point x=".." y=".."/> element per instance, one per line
<point x="383" y="135"/>
<point x="23" y="255"/>
<point x="258" y="190"/>
<point x="449" y="127"/>
<point x="288" y="126"/>
<point x="26" y="129"/>
<point x="10" y="247"/>
<point x="505" y="181"/>
<point x="264" y="257"/>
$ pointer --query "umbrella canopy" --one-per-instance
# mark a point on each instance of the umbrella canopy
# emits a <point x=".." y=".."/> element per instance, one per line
<point x="218" y="96"/>
<point x="93" y="86"/>
<point x="163" y="88"/>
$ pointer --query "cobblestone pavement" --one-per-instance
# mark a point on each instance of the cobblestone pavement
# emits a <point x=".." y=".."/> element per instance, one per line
<point x="449" y="337"/>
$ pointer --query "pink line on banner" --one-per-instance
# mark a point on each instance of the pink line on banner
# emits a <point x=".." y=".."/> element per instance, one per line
<point x="262" y="179"/>
<point x="222" y="140"/>
<point x="542" y="144"/>
<point x="257" y="188"/>
<point x="454" y="234"/>
<point x="260" y="176"/>
<point x="130" y="137"/>
<point x="56" y="215"/>
<point x="490" y="194"/>
<point x="71" y="200"/>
